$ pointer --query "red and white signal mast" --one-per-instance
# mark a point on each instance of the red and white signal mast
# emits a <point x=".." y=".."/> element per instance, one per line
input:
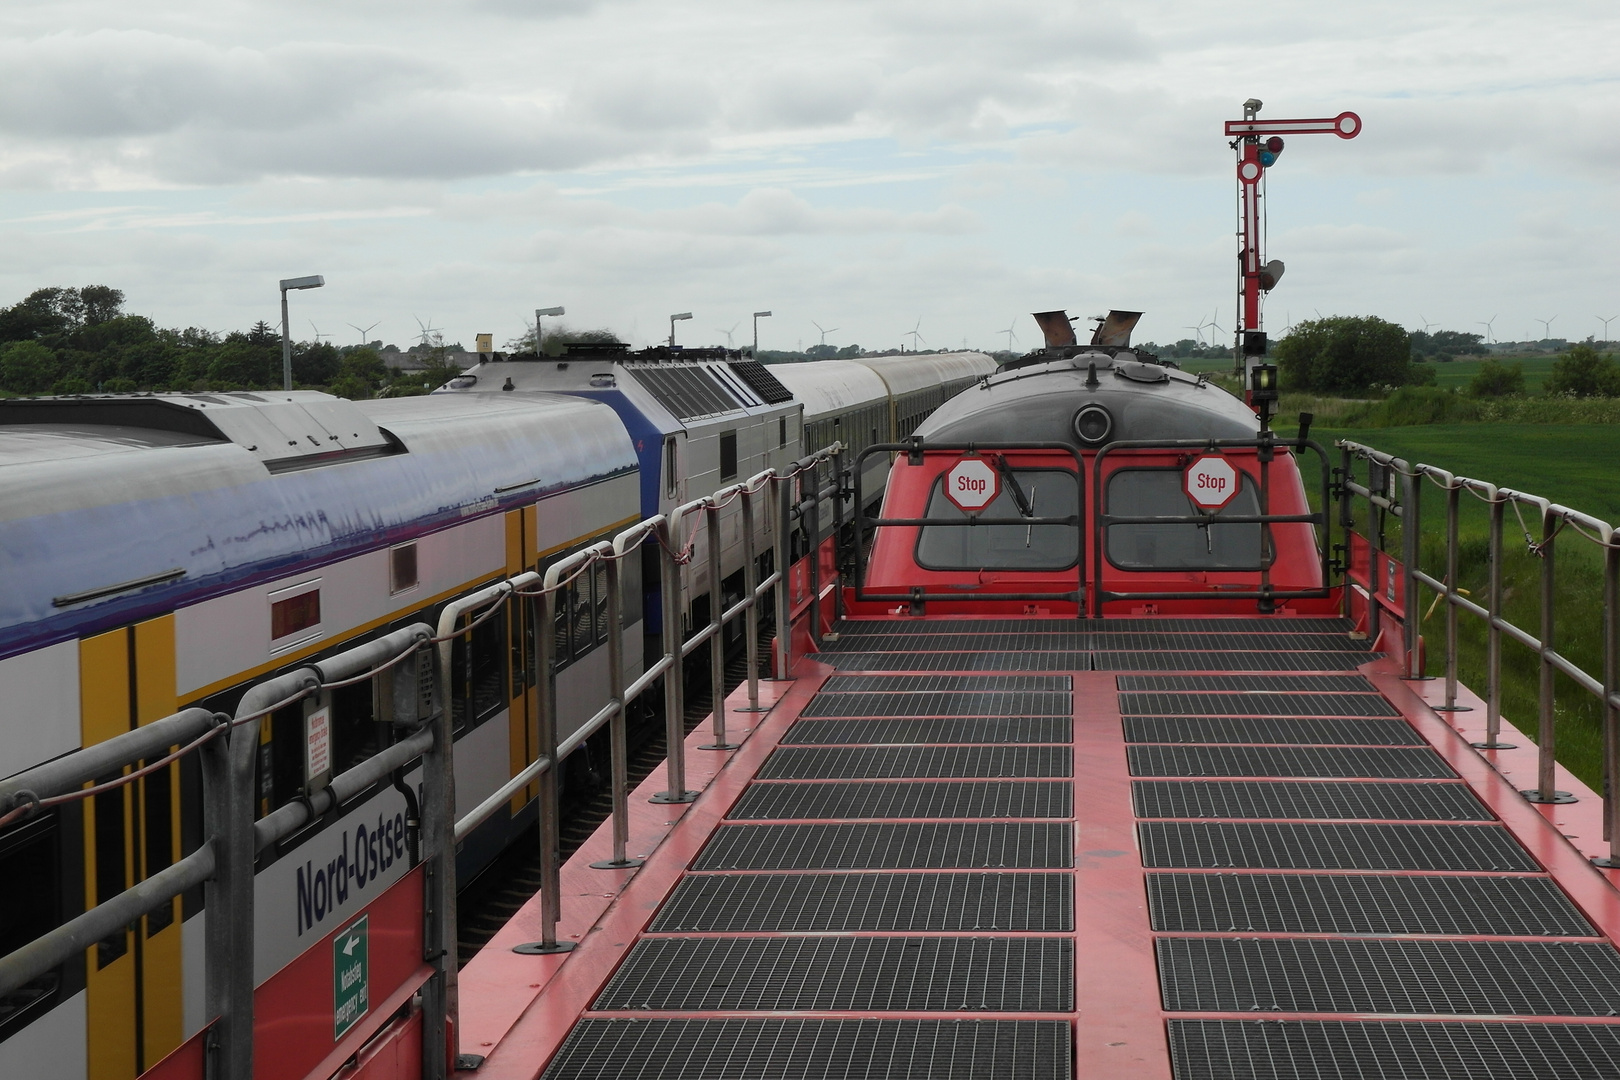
<point x="1258" y="142"/>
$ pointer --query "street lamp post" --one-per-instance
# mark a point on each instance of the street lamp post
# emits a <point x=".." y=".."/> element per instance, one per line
<point x="313" y="281"/>
<point x="758" y="315"/>
<point x="539" y="313"/>
<point x="673" y="319"/>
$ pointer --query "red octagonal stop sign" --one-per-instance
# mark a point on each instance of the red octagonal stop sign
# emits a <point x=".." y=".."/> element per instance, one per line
<point x="972" y="484"/>
<point x="1210" y="482"/>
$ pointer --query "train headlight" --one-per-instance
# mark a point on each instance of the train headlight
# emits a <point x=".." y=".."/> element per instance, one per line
<point x="1093" y="424"/>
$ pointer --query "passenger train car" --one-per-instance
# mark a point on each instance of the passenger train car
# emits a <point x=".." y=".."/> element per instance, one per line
<point x="166" y="551"/>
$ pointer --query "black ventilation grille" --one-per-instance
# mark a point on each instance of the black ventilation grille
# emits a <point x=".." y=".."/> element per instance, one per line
<point x="1382" y="762"/>
<point x="837" y="903"/>
<point x="1326" y="684"/>
<point x="1362" y="904"/>
<point x="682" y="1049"/>
<point x="1030" y="660"/>
<point x="1305" y="800"/>
<point x="945" y="729"/>
<point x="689" y="393"/>
<point x="849" y="802"/>
<point x="1221" y="845"/>
<point x="1163" y="704"/>
<point x="963" y="627"/>
<point x="1341" y="731"/>
<point x="1245" y="623"/>
<point x="846" y="684"/>
<point x="1391" y="1050"/>
<point x="1497" y="978"/>
<point x="1234" y="640"/>
<point x="861" y="762"/>
<point x="1230" y="661"/>
<point x="883" y="846"/>
<point x="995" y="974"/>
<point x="993" y="703"/>
<point x="761" y="381"/>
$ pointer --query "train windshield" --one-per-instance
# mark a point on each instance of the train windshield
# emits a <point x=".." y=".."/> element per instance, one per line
<point x="1048" y="493"/>
<point x="1178" y="546"/>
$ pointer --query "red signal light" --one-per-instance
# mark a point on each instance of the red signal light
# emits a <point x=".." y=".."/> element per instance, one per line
<point x="1269" y="151"/>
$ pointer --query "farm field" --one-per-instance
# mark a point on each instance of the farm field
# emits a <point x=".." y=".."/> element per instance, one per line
<point x="1456" y="374"/>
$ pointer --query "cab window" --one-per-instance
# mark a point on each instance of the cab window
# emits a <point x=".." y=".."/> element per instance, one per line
<point x="1048" y="493"/>
<point x="1178" y="545"/>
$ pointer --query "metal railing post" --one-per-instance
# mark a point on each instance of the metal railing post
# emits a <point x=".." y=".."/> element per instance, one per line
<point x="1546" y="730"/>
<point x="1346" y="524"/>
<point x="674" y="681"/>
<point x="618" y="741"/>
<point x="1265" y="452"/>
<point x="440" y="1000"/>
<point x="813" y="532"/>
<point x="1493" y="630"/>
<point x="1411" y="495"/>
<point x="781" y="493"/>
<point x="840" y="516"/>
<point x="751" y="591"/>
<point x="547" y="824"/>
<point x="717" y="652"/>
<point x="1611" y="687"/>
<point x="1453" y="510"/>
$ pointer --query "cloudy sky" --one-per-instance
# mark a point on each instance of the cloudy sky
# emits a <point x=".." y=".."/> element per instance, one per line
<point x="874" y="166"/>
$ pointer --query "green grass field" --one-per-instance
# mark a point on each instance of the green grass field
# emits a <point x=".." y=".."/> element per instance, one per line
<point x="1456" y="374"/>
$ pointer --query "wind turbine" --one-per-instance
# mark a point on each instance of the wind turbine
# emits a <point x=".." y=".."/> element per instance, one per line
<point x="1012" y="335"/>
<point x="428" y="332"/>
<point x="1606" y="323"/>
<point x="318" y="334"/>
<point x="824" y="333"/>
<point x="1426" y="323"/>
<point x="1546" y="326"/>
<point x="728" y="333"/>
<point x="366" y="332"/>
<point x="1486" y="323"/>
<point x="915" y="336"/>
<point x="1198" y="331"/>
<point x="1214" y="325"/>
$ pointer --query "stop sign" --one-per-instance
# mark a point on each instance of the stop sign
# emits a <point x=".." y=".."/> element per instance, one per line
<point x="1210" y="482"/>
<point x="972" y="484"/>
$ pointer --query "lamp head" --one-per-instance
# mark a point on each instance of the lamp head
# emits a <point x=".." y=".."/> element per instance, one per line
<point x="313" y="281"/>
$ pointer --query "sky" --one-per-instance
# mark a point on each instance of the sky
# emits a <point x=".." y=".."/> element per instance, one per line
<point x="875" y="167"/>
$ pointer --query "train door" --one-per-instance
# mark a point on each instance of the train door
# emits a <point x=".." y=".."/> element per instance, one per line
<point x="523" y="716"/>
<point x="133" y="978"/>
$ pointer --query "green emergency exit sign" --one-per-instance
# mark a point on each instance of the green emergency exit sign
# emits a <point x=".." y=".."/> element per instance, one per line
<point x="351" y="976"/>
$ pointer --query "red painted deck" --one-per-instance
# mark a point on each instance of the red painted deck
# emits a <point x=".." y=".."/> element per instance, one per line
<point x="520" y="1011"/>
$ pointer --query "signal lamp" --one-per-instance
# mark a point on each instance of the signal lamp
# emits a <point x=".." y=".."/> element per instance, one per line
<point x="1269" y="151"/>
<point x="1255" y="343"/>
<point x="1263" y="383"/>
<point x="1093" y="424"/>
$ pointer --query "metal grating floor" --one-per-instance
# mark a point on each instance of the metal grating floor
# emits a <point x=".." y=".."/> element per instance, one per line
<point x="1353" y="975"/>
<point x="845" y="684"/>
<point x="1377" y="762"/>
<point x="1327" y="731"/>
<point x="867" y="799"/>
<point x="995" y="974"/>
<point x="843" y="762"/>
<point x="1026" y="660"/>
<point x="1219" y="845"/>
<point x="1264" y="660"/>
<point x="1392" y="1050"/>
<point x="992" y="703"/>
<point x="1234" y="639"/>
<point x="938" y="729"/>
<point x="1237" y="799"/>
<point x="987" y="845"/>
<point x="935" y="641"/>
<point x="1363" y="904"/>
<point x="1326" y="684"/>
<point x="840" y="903"/>
<point x="813" y="1049"/>
<point x="1254" y="704"/>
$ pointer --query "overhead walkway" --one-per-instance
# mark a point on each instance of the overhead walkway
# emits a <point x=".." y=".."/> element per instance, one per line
<point x="1190" y="848"/>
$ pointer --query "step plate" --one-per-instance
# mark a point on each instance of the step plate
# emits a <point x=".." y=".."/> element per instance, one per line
<point x="883" y="846"/>
<point x="858" y="801"/>
<point x="936" y="730"/>
<point x="1342" y="731"/>
<point x="841" y="762"/>
<point x="1303" y="800"/>
<point x="1224" y="845"/>
<point x="1386" y="763"/>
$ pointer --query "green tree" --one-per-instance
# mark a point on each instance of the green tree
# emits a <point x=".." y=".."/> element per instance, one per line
<point x="313" y="365"/>
<point x="1584" y="372"/>
<point x="27" y="367"/>
<point x="360" y="373"/>
<point x="1495" y="379"/>
<point x="1346" y="355"/>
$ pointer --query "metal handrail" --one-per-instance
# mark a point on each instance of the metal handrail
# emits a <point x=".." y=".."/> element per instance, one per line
<point x="1554" y="518"/>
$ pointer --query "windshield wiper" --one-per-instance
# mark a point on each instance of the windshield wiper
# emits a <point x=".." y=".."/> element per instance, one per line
<point x="1025" y="507"/>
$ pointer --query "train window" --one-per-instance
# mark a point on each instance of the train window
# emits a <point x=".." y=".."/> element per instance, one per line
<point x="582" y="630"/>
<point x="1051" y="493"/>
<point x="781" y="431"/>
<point x="30" y="907"/>
<point x="356" y="735"/>
<point x="728" y="455"/>
<point x="672" y="482"/>
<point x="600" y="585"/>
<point x="478" y="671"/>
<point x="1178" y="546"/>
<point x="402" y="564"/>
<point x="157" y="817"/>
<point x="292" y="616"/>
